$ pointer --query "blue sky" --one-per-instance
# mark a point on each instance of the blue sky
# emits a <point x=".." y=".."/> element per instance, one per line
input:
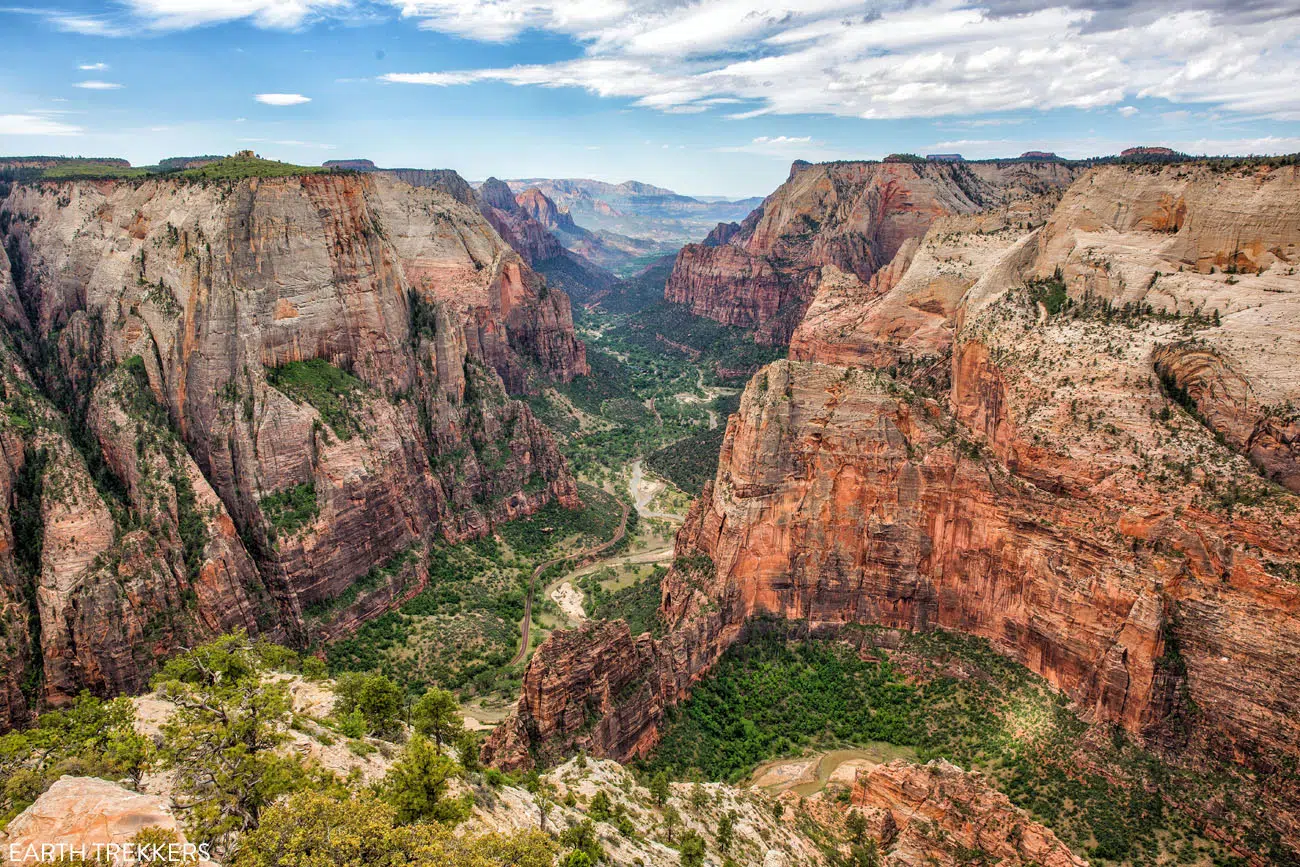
<point x="709" y="98"/>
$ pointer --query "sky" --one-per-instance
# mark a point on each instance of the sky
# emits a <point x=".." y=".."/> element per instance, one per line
<point x="706" y="98"/>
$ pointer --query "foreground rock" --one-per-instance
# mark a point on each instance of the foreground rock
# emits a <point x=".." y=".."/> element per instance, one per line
<point x="85" y="814"/>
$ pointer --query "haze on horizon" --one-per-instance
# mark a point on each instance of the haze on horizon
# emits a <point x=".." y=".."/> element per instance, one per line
<point x="707" y="98"/>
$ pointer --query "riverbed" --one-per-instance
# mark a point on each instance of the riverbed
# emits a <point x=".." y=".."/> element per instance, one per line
<point x="808" y="775"/>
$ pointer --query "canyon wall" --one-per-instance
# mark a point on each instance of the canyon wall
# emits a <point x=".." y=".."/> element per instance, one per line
<point x="854" y="217"/>
<point x="529" y="222"/>
<point x="1075" y="442"/>
<point x="226" y="402"/>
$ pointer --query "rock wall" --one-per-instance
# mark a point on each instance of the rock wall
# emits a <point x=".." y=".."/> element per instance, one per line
<point x="908" y="802"/>
<point x="161" y="487"/>
<point x="852" y="216"/>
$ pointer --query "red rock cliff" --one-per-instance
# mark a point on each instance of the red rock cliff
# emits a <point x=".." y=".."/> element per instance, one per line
<point x="149" y="460"/>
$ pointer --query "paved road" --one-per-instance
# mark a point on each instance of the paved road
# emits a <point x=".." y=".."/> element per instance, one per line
<point x="532" y="582"/>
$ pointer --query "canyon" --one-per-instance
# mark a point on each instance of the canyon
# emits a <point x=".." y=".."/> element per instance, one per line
<point x="1064" y="423"/>
<point x="229" y="401"/>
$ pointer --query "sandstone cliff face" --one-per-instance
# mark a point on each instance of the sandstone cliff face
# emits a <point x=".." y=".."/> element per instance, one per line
<point x="855" y="217"/>
<point x="910" y="802"/>
<point x="1049" y="492"/>
<point x="180" y="488"/>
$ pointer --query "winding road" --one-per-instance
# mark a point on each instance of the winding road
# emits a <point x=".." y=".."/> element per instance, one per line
<point x="532" y="582"/>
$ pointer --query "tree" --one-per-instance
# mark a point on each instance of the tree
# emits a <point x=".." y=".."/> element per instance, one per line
<point x="866" y="855"/>
<point x="545" y="800"/>
<point x="375" y="696"/>
<point x="222" y="739"/>
<point x="578" y="859"/>
<point x="699" y="797"/>
<point x="692" y="850"/>
<point x="582" y="838"/>
<point x="469" y="746"/>
<point x="600" y="808"/>
<point x="726" y="830"/>
<point x="436" y="715"/>
<point x="857" y="826"/>
<point x="416" y="786"/>
<point x="319" y="829"/>
<point x="672" y="819"/>
<point x="660" y="788"/>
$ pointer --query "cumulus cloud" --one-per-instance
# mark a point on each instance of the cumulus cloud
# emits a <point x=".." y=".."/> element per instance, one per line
<point x="98" y="85"/>
<point x="33" y="124"/>
<point x="1127" y="110"/>
<point x="93" y="67"/>
<point x="282" y="98"/>
<point x="906" y="58"/>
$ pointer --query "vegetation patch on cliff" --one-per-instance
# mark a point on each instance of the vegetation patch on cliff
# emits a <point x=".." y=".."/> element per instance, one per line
<point x="334" y="392"/>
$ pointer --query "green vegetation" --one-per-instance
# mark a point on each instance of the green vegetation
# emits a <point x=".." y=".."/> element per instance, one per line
<point x="243" y="165"/>
<point x="638" y="603"/>
<point x="691" y="462"/>
<point x="462" y="630"/>
<point x="336" y="829"/>
<point x="290" y="510"/>
<point x="336" y="394"/>
<point x="91" y="737"/>
<point x="715" y="343"/>
<point x="959" y="700"/>
<point x="554" y="529"/>
<point x="79" y="170"/>
<point x="1050" y="292"/>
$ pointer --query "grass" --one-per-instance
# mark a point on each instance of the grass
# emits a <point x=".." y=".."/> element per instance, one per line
<point x="91" y="170"/>
<point x="334" y="393"/>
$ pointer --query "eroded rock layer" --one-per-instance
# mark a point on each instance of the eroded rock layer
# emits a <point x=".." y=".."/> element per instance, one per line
<point x="852" y="216"/>
<point x="226" y="403"/>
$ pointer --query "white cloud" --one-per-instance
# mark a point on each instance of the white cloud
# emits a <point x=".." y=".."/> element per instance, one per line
<point x="908" y="58"/>
<point x="282" y="98"/>
<point x="93" y="67"/>
<point x="787" y="147"/>
<point x="98" y="85"/>
<point x="32" y="124"/>
<point x="1127" y="110"/>
<point x="184" y="14"/>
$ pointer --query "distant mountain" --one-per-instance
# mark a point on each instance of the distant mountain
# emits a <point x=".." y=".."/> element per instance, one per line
<point x="638" y="211"/>
<point x="536" y="229"/>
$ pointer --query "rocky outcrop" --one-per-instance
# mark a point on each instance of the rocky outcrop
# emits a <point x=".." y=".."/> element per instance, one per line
<point x="89" y="815"/>
<point x="937" y="814"/>
<point x="226" y="403"/>
<point x="855" y="217"/>
<point x="601" y="689"/>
